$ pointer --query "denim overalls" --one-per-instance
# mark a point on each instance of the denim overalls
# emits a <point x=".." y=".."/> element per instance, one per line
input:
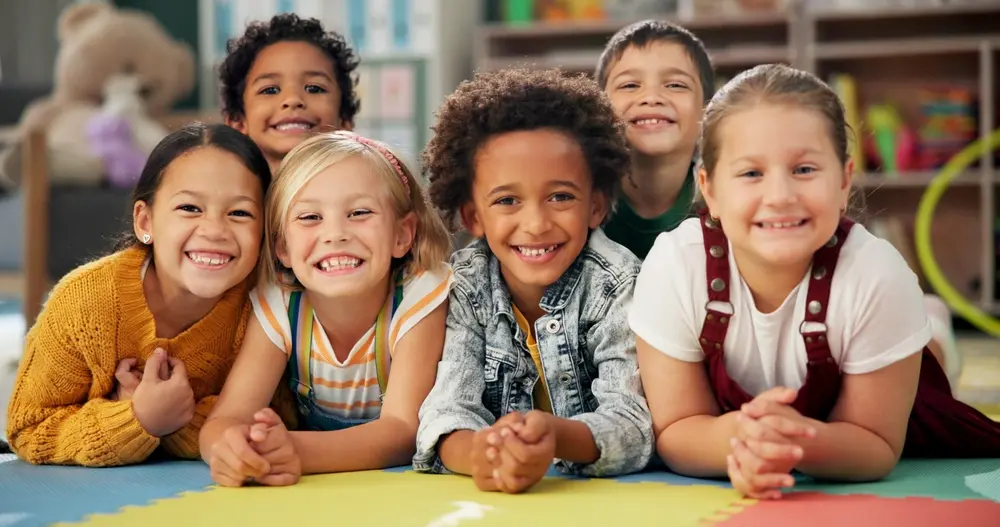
<point x="312" y="415"/>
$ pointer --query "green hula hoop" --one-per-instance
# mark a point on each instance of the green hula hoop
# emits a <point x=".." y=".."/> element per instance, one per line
<point x="922" y="234"/>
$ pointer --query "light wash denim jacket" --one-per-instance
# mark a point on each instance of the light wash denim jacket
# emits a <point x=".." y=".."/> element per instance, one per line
<point x="587" y="351"/>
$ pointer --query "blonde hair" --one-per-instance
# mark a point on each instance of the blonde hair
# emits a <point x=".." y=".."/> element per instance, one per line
<point x="431" y="242"/>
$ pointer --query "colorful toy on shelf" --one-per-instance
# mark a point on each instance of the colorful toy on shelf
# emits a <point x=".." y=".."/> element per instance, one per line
<point x="847" y="90"/>
<point x="893" y="143"/>
<point x="948" y="124"/>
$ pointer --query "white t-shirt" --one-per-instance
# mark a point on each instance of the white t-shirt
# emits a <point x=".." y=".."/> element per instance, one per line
<point x="350" y="389"/>
<point x="875" y="315"/>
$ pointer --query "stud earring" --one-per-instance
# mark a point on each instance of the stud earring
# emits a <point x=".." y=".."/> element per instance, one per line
<point x="146" y="238"/>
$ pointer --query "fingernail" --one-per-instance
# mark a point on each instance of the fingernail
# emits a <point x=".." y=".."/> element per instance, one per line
<point x="797" y="451"/>
<point x="491" y="453"/>
<point x="504" y="432"/>
<point x="732" y="442"/>
<point x="492" y="439"/>
<point x="811" y="432"/>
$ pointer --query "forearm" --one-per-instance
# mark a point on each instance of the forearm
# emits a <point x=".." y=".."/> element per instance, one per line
<point x="697" y="446"/>
<point x="845" y="451"/>
<point x="455" y="451"/>
<point x="184" y="442"/>
<point x="574" y="442"/>
<point x="99" y="433"/>
<point x="385" y="442"/>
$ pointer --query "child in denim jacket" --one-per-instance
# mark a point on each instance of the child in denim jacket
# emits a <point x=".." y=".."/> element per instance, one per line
<point x="539" y="365"/>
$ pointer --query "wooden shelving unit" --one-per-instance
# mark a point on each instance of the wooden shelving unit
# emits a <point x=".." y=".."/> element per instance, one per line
<point x="889" y="52"/>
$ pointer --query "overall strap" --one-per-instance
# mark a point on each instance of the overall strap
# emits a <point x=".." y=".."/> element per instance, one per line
<point x="818" y="296"/>
<point x="300" y="321"/>
<point x="382" y="355"/>
<point x="713" y="331"/>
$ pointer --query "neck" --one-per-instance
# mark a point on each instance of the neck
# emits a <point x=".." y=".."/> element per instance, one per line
<point x="346" y="319"/>
<point x="655" y="183"/>
<point x="173" y="309"/>
<point x="274" y="164"/>
<point x="526" y="298"/>
<point x="769" y="285"/>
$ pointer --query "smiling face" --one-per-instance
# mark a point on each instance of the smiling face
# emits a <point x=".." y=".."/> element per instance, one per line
<point x="290" y="91"/>
<point x="341" y="231"/>
<point x="205" y="223"/>
<point x="656" y="90"/>
<point x="778" y="186"/>
<point x="533" y="200"/>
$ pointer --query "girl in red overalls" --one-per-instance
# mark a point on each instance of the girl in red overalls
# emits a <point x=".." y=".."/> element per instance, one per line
<point x="773" y="333"/>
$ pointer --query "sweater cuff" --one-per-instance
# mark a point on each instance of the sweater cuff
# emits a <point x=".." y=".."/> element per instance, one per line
<point x="184" y="442"/>
<point x="121" y="429"/>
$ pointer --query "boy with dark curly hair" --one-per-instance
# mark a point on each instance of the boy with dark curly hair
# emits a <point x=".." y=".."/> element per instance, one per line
<point x="658" y="77"/>
<point x="284" y="79"/>
<point x="539" y="365"/>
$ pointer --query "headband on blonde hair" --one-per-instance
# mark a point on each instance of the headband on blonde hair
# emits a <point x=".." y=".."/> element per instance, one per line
<point x="381" y="149"/>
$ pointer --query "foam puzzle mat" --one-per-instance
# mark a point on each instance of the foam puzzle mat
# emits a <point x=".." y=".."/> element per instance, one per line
<point x="918" y="493"/>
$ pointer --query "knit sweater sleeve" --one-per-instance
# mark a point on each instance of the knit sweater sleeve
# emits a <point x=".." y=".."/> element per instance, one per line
<point x="58" y="412"/>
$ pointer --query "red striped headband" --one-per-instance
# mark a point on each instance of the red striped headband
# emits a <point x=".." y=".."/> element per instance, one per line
<point x="381" y="149"/>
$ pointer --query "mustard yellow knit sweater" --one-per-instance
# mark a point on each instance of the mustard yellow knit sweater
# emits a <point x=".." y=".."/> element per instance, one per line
<point x="60" y="412"/>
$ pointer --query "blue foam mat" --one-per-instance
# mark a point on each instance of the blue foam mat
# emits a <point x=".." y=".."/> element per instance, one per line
<point x="40" y="495"/>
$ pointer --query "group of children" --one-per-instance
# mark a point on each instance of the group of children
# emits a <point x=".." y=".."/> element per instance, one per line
<point x="601" y="320"/>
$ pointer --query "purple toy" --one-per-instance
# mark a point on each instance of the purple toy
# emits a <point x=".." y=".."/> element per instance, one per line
<point x="111" y="140"/>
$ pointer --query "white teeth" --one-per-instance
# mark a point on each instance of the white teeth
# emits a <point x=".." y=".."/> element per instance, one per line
<point x="528" y="251"/>
<point x="293" y="126"/>
<point x="782" y="225"/>
<point x="649" y="121"/>
<point x="208" y="258"/>
<point x="339" y="262"/>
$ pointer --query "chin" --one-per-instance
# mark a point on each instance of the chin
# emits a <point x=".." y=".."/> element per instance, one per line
<point x="207" y="290"/>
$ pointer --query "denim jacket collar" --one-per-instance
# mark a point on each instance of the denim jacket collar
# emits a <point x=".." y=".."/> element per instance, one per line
<point x="555" y="298"/>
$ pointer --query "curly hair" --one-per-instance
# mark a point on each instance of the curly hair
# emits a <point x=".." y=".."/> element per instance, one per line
<point x="242" y="51"/>
<point x="516" y="99"/>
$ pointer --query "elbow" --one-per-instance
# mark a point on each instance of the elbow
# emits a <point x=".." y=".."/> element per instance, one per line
<point x="403" y="442"/>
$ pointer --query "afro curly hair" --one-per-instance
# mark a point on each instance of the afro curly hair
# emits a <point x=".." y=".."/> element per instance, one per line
<point x="243" y="51"/>
<point x="518" y="99"/>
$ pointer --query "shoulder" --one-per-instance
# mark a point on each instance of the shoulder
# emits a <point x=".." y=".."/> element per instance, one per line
<point x="680" y="252"/>
<point x="868" y="262"/>
<point x="97" y="282"/>
<point x="607" y="264"/>
<point x="471" y="267"/>
<point x="428" y="282"/>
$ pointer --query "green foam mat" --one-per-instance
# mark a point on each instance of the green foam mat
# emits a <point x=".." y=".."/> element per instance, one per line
<point x="943" y="479"/>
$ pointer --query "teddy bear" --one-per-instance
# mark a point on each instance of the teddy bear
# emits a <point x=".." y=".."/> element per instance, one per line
<point x="99" y="43"/>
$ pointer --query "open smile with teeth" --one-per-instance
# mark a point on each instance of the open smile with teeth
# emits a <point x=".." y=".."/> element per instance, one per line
<point x="535" y="252"/>
<point x="339" y="263"/>
<point x="209" y="259"/>
<point x="651" y="121"/>
<point x="296" y="126"/>
<point x="781" y="224"/>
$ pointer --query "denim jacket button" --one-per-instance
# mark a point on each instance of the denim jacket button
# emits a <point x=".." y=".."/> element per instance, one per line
<point x="565" y="378"/>
<point x="553" y="326"/>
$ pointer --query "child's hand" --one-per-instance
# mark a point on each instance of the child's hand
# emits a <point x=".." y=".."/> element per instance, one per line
<point x="526" y="452"/>
<point x="270" y="438"/>
<point x="233" y="461"/>
<point x="765" y="449"/>
<point x="127" y="378"/>
<point x="484" y="456"/>
<point x="163" y="406"/>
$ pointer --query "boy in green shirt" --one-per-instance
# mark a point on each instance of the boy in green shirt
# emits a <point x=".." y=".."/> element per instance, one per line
<point x="659" y="78"/>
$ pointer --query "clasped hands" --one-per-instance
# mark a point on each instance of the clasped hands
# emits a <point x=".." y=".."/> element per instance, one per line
<point x="261" y="453"/>
<point x="765" y="448"/>
<point x="515" y="453"/>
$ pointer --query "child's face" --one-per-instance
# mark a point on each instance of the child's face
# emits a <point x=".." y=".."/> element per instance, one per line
<point x="778" y="186"/>
<point x="341" y="232"/>
<point x="656" y="90"/>
<point x="205" y="223"/>
<point x="533" y="200"/>
<point x="291" y="90"/>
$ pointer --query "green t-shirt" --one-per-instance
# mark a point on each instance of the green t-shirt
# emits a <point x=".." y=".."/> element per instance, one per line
<point x="636" y="233"/>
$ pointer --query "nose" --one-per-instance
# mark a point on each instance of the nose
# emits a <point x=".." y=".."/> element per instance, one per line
<point x="214" y="228"/>
<point x="334" y="231"/>
<point x="652" y="96"/>
<point x="780" y="189"/>
<point x="535" y="220"/>
<point x="293" y="99"/>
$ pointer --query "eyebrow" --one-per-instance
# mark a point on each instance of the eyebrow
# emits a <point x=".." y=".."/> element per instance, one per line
<point x="199" y="195"/>
<point x="798" y="154"/>
<point x="347" y="199"/>
<point x="669" y="70"/>
<point x="275" y="76"/>
<point x="511" y="186"/>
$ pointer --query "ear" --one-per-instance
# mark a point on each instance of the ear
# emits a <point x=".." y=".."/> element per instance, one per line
<point x="347" y="125"/>
<point x="470" y="219"/>
<point x="598" y="209"/>
<point x="705" y="187"/>
<point x="238" y="124"/>
<point x="848" y="181"/>
<point x="281" y="251"/>
<point x="406" y="232"/>
<point x="142" y="219"/>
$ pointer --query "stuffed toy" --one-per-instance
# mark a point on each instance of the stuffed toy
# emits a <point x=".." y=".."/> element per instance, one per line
<point x="97" y="43"/>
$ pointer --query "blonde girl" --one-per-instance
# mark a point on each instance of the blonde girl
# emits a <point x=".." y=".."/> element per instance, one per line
<point x="354" y="280"/>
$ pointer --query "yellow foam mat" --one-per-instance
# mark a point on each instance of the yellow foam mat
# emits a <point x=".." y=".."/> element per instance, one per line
<point x="386" y="498"/>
